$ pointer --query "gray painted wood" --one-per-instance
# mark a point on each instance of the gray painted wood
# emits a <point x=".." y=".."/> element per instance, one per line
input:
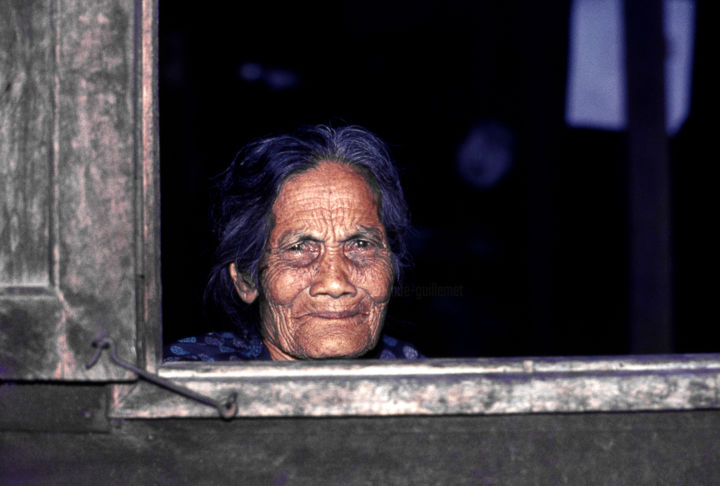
<point x="430" y="387"/>
<point x="26" y="130"/>
<point x="53" y="407"/>
<point x="73" y="185"/>
<point x="78" y="254"/>
<point x="631" y="449"/>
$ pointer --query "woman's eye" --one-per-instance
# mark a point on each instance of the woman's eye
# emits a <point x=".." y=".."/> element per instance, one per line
<point x="362" y="244"/>
<point x="304" y="245"/>
<point x="301" y="253"/>
<point x="360" y="249"/>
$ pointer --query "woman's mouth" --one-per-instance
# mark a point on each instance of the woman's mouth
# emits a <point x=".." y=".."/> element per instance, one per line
<point x="335" y="315"/>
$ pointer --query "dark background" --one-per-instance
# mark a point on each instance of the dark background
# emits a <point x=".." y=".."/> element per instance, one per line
<point x="533" y="262"/>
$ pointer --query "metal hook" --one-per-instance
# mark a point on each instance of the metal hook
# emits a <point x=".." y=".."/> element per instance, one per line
<point x="226" y="408"/>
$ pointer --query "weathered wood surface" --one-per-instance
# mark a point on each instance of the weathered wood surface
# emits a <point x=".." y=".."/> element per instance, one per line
<point x="432" y="387"/>
<point x="69" y="201"/>
<point x="678" y="448"/>
<point x="26" y="129"/>
<point x="53" y="407"/>
<point x="148" y="238"/>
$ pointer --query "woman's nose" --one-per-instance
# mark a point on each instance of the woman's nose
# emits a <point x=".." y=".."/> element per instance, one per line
<point x="333" y="276"/>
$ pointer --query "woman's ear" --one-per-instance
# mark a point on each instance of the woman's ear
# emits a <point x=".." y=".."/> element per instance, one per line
<point x="245" y="287"/>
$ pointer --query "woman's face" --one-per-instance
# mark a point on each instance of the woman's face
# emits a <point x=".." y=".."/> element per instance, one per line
<point x="327" y="273"/>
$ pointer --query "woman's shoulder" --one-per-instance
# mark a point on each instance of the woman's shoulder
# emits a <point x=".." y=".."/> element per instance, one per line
<point x="393" y="348"/>
<point x="229" y="346"/>
<point x="217" y="346"/>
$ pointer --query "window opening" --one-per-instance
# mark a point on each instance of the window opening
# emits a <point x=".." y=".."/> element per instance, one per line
<point x="520" y="242"/>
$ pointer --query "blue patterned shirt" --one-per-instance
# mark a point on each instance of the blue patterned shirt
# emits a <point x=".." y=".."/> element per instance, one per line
<point x="229" y="346"/>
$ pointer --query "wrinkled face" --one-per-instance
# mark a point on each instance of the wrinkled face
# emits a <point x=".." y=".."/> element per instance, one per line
<point x="327" y="273"/>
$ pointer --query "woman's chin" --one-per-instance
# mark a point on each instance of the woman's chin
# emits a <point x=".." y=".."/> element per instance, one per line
<point x="341" y="345"/>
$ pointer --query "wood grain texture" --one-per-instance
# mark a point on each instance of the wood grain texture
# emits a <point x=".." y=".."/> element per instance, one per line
<point x="95" y="172"/>
<point x="26" y="124"/>
<point x="75" y="184"/>
<point x="149" y="285"/>
<point x="431" y="387"/>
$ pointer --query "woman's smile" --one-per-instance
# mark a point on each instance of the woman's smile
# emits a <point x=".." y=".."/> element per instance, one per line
<point x="327" y="273"/>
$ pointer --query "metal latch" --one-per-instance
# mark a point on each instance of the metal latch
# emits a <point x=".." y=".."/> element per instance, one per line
<point x="227" y="408"/>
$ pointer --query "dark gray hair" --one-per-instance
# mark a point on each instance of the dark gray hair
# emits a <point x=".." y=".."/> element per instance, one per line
<point x="246" y="191"/>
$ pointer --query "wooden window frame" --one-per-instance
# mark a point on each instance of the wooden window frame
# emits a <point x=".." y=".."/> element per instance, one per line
<point x="381" y="388"/>
<point x="263" y="389"/>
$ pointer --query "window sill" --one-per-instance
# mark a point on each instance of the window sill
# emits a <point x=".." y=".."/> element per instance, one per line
<point x="431" y="387"/>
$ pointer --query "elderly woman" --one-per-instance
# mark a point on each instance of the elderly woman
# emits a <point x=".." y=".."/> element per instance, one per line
<point x="311" y="239"/>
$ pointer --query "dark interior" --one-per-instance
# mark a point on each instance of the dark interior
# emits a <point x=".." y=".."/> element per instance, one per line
<point x="524" y="252"/>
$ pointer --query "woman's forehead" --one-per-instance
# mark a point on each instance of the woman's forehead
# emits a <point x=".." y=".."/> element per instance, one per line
<point x="330" y="193"/>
